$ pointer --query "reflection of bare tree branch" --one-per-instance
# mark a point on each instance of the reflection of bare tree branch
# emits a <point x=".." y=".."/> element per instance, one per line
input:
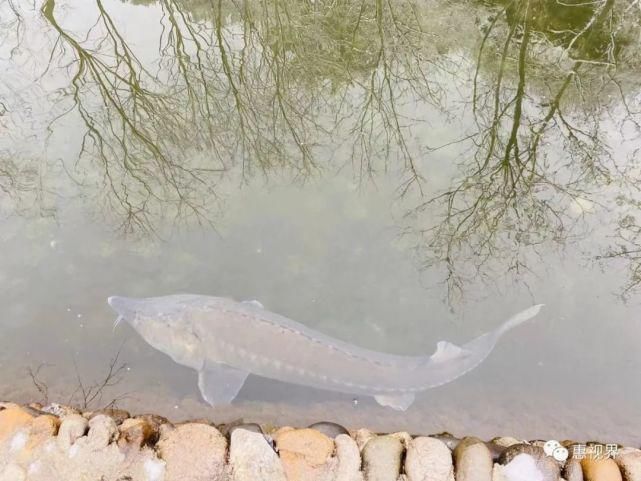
<point x="266" y="86"/>
<point x="11" y="24"/>
<point x="261" y="101"/>
<point x="512" y="198"/>
<point x="133" y="129"/>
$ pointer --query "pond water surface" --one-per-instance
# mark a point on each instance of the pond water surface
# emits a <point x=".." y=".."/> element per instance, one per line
<point x="391" y="174"/>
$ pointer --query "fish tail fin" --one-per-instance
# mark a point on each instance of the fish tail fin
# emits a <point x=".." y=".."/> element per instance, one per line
<point x="467" y="357"/>
<point x="519" y="318"/>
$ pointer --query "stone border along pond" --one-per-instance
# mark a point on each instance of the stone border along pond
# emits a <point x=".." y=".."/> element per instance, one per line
<point x="60" y="443"/>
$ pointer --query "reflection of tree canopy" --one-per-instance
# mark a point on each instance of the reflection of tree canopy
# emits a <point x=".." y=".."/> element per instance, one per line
<point x="584" y="28"/>
<point x="18" y="176"/>
<point x="269" y="91"/>
<point x="513" y="195"/>
<point x="266" y="86"/>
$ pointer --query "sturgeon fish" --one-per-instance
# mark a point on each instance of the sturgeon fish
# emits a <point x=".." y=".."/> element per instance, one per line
<point x="226" y="340"/>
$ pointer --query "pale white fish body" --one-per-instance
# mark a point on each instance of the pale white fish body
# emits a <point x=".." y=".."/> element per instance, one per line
<point x="225" y="340"/>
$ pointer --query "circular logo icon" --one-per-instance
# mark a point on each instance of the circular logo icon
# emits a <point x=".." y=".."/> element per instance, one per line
<point x="550" y="446"/>
<point x="560" y="453"/>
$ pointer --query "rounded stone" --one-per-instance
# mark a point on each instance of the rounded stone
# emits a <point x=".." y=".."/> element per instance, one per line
<point x="206" y="421"/>
<point x="72" y="427"/>
<point x="428" y="459"/>
<point x="506" y="441"/>
<point x="153" y="418"/>
<point x="329" y="429"/>
<point x="312" y="444"/>
<point x="251" y="458"/>
<point x="303" y="453"/>
<point x="102" y="431"/>
<point x="629" y="462"/>
<point x="253" y="427"/>
<point x="118" y="415"/>
<point x="572" y="470"/>
<point x="12" y="419"/>
<point x="600" y="469"/>
<point x="362" y="437"/>
<point x="198" y="449"/>
<point x="549" y="468"/>
<point x="404" y="437"/>
<point x="523" y="467"/>
<point x="43" y="427"/>
<point x="348" y="457"/>
<point x="281" y="430"/>
<point x="495" y="450"/>
<point x="382" y="458"/>
<point x="473" y="460"/>
<point x="138" y="432"/>
<point x="448" y="439"/>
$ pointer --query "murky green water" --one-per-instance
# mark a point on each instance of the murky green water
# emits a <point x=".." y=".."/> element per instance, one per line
<point x="390" y="174"/>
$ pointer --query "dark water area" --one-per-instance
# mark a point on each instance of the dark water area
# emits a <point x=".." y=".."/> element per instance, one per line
<point x="389" y="174"/>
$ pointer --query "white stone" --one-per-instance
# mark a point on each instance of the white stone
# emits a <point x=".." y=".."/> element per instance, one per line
<point x="251" y="458"/>
<point x="348" y="456"/>
<point x="102" y="431"/>
<point x="73" y="427"/>
<point x="382" y="458"/>
<point x="522" y="468"/>
<point x="154" y="469"/>
<point x="473" y="462"/>
<point x="428" y="459"/>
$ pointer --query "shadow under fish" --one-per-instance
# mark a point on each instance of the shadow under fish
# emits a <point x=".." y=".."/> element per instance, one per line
<point x="226" y="340"/>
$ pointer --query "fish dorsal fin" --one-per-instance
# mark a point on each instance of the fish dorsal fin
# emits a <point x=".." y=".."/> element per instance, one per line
<point x="400" y="402"/>
<point x="446" y="351"/>
<point x="220" y="383"/>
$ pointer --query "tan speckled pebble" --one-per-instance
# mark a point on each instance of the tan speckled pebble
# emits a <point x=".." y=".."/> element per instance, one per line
<point x="304" y="453"/>
<point x="600" y="470"/>
<point x="197" y="449"/>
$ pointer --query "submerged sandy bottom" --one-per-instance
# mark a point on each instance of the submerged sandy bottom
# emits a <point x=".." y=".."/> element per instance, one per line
<point x="459" y="408"/>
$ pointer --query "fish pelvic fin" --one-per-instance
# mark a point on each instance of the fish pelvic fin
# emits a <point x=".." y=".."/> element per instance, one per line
<point x="220" y="383"/>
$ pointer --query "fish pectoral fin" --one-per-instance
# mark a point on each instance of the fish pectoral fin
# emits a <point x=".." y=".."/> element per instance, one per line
<point x="446" y="351"/>
<point x="220" y="383"/>
<point x="400" y="402"/>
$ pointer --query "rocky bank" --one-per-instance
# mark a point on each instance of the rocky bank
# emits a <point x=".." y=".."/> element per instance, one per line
<point x="60" y="443"/>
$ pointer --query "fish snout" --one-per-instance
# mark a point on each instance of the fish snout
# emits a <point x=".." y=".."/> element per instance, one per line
<point x="124" y="307"/>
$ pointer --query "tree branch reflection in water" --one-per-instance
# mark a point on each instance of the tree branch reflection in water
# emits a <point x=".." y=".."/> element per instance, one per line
<point x="514" y="196"/>
<point x="247" y="87"/>
<point x="249" y="84"/>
